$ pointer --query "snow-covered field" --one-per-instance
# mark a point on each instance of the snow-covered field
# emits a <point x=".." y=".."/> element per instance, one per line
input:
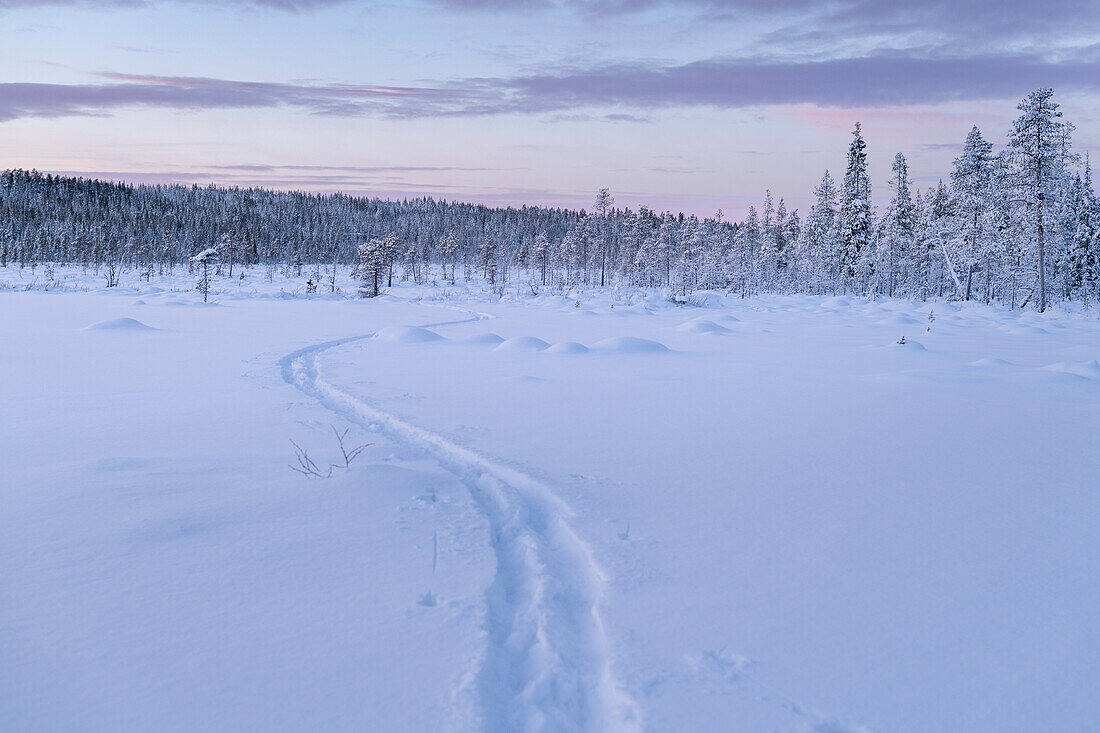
<point x="597" y="512"/>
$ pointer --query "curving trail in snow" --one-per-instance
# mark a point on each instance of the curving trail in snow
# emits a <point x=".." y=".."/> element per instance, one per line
<point x="547" y="666"/>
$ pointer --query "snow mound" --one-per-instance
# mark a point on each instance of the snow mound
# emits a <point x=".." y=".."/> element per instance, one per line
<point x="990" y="361"/>
<point x="898" y="319"/>
<point x="139" y="301"/>
<point x="630" y="345"/>
<point x="1086" y="369"/>
<point x="1028" y="330"/>
<point x="120" y="324"/>
<point x="522" y="343"/>
<point x="702" y="327"/>
<point x="568" y="347"/>
<point x="407" y="335"/>
<point x="913" y="345"/>
<point x="484" y="339"/>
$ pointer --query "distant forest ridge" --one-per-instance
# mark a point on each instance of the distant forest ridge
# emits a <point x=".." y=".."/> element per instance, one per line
<point x="1021" y="227"/>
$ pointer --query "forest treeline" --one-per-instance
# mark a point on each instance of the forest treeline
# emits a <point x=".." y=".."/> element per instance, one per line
<point x="1020" y="226"/>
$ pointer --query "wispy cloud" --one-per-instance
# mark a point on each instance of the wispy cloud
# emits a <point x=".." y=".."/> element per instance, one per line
<point x="361" y="169"/>
<point x="198" y="93"/>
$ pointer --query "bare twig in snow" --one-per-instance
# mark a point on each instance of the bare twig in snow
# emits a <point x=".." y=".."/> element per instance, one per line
<point x="309" y="468"/>
<point x="306" y="466"/>
<point x="349" y="455"/>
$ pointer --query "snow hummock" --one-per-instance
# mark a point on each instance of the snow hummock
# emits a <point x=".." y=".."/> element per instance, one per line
<point x="630" y="345"/>
<point x="484" y="339"/>
<point x="120" y="324"/>
<point x="407" y="335"/>
<point x="990" y="361"/>
<point x="899" y="319"/>
<point x="568" y="347"/>
<point x="701" y="326"/>
<point x="522" y="343"/>
<point x="1085" y="369"/>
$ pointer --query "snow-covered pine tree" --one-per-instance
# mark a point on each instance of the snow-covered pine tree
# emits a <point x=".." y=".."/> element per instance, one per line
<point x="391" y="245"/>
<point x="204" y="260"/>
<point x="540" y="255"/>
<point x="448" y="253"/>
<point x="370" y="266"/>
<point x="1039" y="141"/>
<point x="487" y="258"/>
<point x="601" y="208"/>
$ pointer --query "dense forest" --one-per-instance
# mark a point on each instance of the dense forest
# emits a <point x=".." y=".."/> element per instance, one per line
<point x="1020" y="226"/>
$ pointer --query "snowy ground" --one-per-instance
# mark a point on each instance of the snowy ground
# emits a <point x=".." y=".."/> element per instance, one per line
<point x="604" y="513"/>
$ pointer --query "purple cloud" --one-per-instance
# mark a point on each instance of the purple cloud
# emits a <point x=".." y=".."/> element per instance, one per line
<point x="882" y="80"/>
<point x="976" y="21"/>
<point x="885" y="79"/>
<point x="288" y="5"/>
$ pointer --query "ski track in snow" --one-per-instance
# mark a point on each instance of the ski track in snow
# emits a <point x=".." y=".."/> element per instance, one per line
<point x="547" y="665"/>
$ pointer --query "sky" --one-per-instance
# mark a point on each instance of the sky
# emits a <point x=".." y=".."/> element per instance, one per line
<point x="684" y="105"/>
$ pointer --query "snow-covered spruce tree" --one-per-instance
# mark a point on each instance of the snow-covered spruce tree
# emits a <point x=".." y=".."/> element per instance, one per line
<point x="204" y="260"/>
<point x="691" y="250"/>
<point x="818" y="244"/>
<point x="712" y="273"/>
<point x="855" y="212"/>
<point x="647" y="259"/>
<point x="937" y="227"/>
<point x="1039" y="141"/>
<point x="629" y="243"/>
<point x="668" y="244"/>
<point x="1080" y="266"/>
<point x="1007" y="231"/>
<point x="971" y="181"/>
<point x="747" y="246"/>
<point x="895" y="232"/>
<point x="787" y="228"/>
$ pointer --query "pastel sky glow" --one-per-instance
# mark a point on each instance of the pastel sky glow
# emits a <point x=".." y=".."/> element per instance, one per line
<point x="676" y="104"/>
